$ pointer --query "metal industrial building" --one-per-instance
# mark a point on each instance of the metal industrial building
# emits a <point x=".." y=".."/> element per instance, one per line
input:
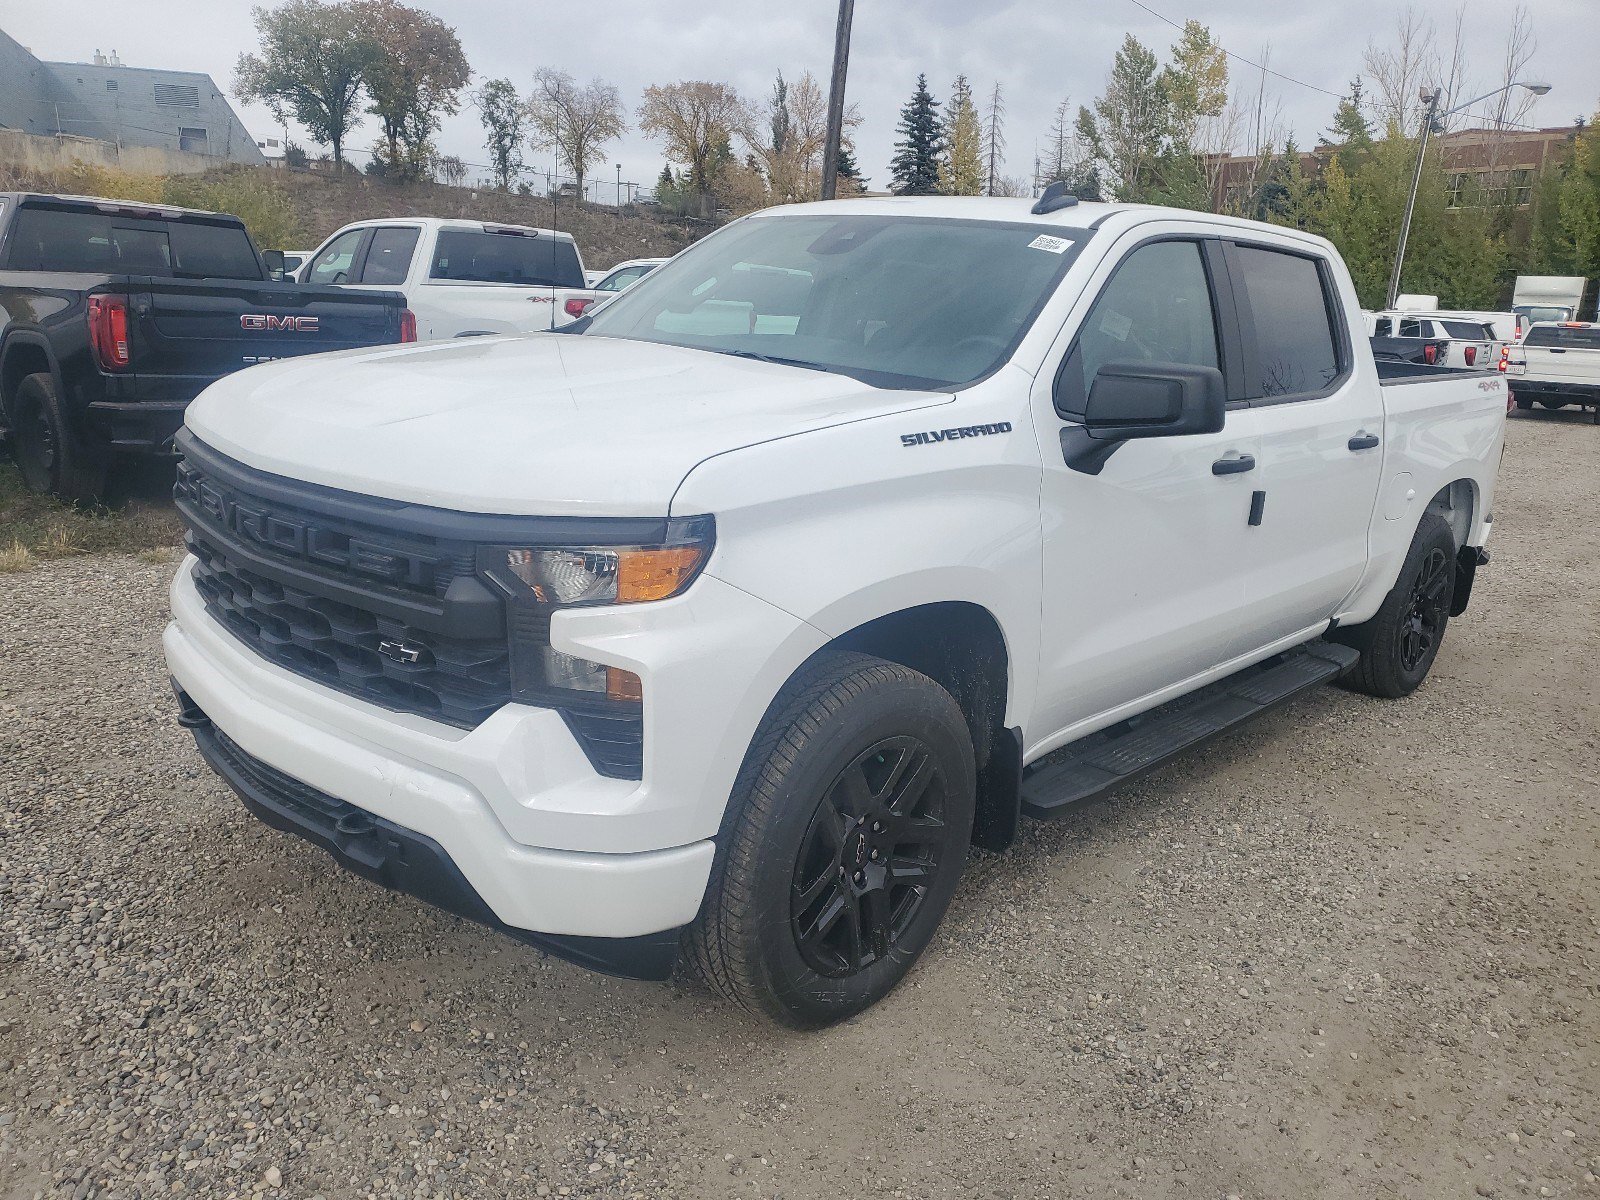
<point x="125" y="106"/>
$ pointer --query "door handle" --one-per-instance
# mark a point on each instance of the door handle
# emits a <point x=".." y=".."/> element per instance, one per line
<point x="1234" y="466"/>
<point x="1363" y="441"/>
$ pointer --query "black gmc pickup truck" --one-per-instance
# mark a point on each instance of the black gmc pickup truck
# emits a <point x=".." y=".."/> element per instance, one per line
<point x="115" y="314"/>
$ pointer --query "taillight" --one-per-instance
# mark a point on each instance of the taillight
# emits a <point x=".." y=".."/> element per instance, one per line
<point x="1472" y="356"/>
<point x="408" y="325"/>
<point x="1430" y="354"/>
<point x="108" y="332"/>
<point x="1505" y="357"/>
<point x="576" y="305"/>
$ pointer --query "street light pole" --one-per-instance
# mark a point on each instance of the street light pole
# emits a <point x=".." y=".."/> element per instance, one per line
<point x="841" y="63"/>
<point x="1430" y="118"/>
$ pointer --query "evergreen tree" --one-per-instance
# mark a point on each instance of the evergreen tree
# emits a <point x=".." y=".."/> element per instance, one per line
<point x="915" y="168"/>
<point x="851" y="181"/>
<point x="961" y="165"/>
<point x="1351" y="130"/>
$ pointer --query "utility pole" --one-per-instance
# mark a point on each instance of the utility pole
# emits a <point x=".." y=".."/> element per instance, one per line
<point x="1428" y="118"/>
<point x="841" y="64"/>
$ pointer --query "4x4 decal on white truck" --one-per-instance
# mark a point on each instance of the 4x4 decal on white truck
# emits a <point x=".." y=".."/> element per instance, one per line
<point x="950" y="435"/>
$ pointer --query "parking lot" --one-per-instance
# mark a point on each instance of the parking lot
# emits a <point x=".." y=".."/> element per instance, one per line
<point x="1351" y="951"/>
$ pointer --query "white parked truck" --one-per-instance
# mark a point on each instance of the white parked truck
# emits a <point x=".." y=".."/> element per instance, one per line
<point x="1546" y="298"/>
<point x="728" y="619"/>
<point x="1556" y="364"/>
<point x="461" y="278"/>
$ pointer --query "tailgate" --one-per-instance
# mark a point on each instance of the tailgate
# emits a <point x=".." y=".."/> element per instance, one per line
<point x="1562" y="364"/>
<point x="208" y="328"/>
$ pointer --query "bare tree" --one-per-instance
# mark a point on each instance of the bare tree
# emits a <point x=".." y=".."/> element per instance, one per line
<point x="994" y="139"/>
<point x="578" y="122"/>
<point x="1399" y="71"/>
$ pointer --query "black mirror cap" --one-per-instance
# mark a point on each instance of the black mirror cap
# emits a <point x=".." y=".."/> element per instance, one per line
<point x="273" y="259"/>
<point x="1155" y="399"/>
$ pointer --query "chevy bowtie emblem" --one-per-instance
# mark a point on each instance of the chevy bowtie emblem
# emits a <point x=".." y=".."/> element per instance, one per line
<point x="400" y="652"/>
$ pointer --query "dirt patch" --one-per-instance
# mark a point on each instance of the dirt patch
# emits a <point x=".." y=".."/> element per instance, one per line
<point x="1351" y="951"/>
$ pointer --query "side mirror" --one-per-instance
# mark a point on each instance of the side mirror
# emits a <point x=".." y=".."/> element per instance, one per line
<point x="1129" y="400"/>
<point x="274" y="262"/>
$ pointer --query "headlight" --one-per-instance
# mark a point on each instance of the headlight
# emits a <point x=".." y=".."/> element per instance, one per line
<point x="538" y="580"/>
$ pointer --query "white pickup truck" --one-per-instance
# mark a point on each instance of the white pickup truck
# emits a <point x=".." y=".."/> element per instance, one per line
<point x="1555" y="365"/>
<point x="461" y="278"/>
<point x="730" y="618"/>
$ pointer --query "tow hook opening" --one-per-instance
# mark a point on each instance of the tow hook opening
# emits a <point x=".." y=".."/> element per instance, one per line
<point x="190" y="714"/>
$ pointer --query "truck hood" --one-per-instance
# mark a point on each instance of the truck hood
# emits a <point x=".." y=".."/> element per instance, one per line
<point x="542" y="424"/>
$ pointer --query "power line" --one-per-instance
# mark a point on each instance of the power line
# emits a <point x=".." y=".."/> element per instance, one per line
<point x="1300" y="82"/>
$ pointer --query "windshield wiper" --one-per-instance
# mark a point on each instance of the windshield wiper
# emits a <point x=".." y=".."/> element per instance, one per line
<point x="772" y="358"/>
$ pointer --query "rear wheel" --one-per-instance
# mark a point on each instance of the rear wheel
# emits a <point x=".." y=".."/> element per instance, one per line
<point x="1400" y="642"/>
<point x="847" y="833"/>
<point x="1552" y="405"/>
<point x="1524" y="404"/>
<point x="49" y="457"/>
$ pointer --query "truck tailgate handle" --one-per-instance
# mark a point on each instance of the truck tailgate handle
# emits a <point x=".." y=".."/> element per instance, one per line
<point x="1363" y="441"/>
<point x="1234" y="466"/>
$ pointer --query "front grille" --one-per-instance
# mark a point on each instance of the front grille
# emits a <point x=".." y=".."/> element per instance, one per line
<point x="376" y="598"/>
<point x="457" y="681"/>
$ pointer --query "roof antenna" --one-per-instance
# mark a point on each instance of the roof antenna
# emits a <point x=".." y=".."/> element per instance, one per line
<point x="1055" y="197"/>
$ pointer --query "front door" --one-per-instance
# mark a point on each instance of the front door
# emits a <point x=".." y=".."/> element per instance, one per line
<point x="1144" y="563"/>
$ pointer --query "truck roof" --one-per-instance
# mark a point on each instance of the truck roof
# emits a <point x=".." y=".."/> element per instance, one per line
<point x="110" y="204"/>
<point x="1086" y="214"/>
<point x="460" y="223"/>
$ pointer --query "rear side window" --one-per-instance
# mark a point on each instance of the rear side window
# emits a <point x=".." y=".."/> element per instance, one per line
<point x="1156" y="308"/>
<point x="389" y="256"/>
<point x="541" y="261"/>
<point x="45" y="239"/>
<point x="1288" y="307"/>
<point x="1564" y="337"/>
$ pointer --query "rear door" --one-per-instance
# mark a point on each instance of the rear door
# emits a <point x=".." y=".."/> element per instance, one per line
<point x="1321" y="428"/>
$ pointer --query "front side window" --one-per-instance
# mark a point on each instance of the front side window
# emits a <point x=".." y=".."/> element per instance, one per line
<point x="466" y="255"/>
<point x="389" y="256"/>
<point x="1294" y="334"/>
<point x="333" y="264"/>
<point x="1155" y="309"/>
<point x="896" y="301"/>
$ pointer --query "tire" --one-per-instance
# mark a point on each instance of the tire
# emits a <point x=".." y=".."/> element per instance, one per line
<point x="49" y="456"/>
<point x="1400" y="642"/>
<point x="1524" y="404"/>
<point x="863" y="764"/>
<point x="1552" y="405"/>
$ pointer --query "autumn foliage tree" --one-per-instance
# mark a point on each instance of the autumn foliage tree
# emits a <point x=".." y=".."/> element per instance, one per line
<point x="577" y="121"/>
<point x="413" y="77"/>
<point x="695" y="121"/>
<point x="504" y="117"/>
<point x="312" y="66"/>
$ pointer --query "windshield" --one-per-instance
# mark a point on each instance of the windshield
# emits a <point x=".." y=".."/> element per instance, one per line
<point x="1537" y="312"/>
<point x="894" y="301"/>
<point x="539" y="260"/>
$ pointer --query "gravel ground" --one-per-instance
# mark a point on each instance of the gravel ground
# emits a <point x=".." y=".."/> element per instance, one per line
<point x="1350" y="952"/>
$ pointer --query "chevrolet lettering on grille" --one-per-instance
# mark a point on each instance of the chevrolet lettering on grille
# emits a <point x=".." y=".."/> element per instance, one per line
<point x="292" y="536"/>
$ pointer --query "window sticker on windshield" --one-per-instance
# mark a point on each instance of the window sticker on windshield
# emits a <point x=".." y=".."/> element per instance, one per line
<point x="1116" y="325"/>
<point x="1054" y="245"/>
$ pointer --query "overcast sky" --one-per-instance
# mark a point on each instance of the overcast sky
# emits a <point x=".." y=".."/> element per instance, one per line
<point x="1041" y="51"/>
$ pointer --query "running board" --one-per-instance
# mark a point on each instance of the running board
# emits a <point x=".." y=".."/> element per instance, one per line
<point x="1114" y="756"/>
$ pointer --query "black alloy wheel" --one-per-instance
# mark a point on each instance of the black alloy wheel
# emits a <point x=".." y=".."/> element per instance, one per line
<point x="1419" y="630"/>
<point x="867" y="860"/>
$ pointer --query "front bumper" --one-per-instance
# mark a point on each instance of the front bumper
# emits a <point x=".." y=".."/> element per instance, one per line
<point x="400" y="858"/>
<point x="548" y="845"/>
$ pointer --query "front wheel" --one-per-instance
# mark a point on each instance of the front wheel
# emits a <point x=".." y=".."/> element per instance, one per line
<point x="847" y="833"/>
<point x="1400" y="642"/>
